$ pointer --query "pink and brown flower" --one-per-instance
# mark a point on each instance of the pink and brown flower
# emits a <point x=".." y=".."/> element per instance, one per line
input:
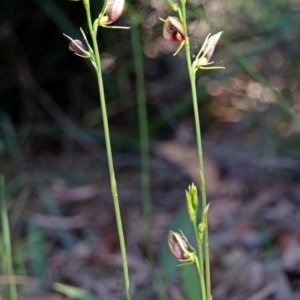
<point x="111" y="12"/>
<point x="180" y="248"/>
<point x="173" y="30"/>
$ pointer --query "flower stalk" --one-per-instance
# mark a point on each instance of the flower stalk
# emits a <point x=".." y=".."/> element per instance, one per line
<point x="112" y="10"/>
<point x="202" y="61"/>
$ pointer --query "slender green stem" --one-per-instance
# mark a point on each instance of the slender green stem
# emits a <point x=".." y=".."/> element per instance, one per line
<point x="143" y="128"/>
<point x="201" y="279"/>
<point x="199" y="263"/>
<point x="199" y="146"/>
<point x="200" y="248"/>
<point x="113" y="183"/>
<point x="7" y="257"/>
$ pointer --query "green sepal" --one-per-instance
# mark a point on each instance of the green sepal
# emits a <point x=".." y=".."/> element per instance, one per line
<point x="179" y="48"/>
<point x="190" y="262"/>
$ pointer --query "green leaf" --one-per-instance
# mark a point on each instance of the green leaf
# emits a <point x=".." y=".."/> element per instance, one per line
<point x="190" y="282"/>
<point x="74" y="292"/>
<point x="37" y="250"/>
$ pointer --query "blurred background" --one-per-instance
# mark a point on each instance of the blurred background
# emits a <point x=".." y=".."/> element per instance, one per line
<point x="53" y="157"/>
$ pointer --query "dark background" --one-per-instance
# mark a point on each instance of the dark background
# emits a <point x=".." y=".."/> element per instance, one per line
<point x="53" y="157"/>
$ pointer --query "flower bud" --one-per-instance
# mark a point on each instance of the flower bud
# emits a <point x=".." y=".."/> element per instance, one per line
<point x="173" y="30"/>
<point x="173" y="5"/>
<point x="179" y="247"/>
<point x="202" y="226"/>
<point x="111" y="12"/>
<point x="79" y="48"/>
<point x="192" y="202"/>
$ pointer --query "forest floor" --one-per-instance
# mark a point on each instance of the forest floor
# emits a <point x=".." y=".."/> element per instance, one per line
<point x="63" y="216"/>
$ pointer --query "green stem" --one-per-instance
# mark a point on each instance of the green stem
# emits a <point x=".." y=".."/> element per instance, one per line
<point x="143" y="128"/>
<point x="200" y="152"/>
<point x="113" y="183"/>
<point x="201" y="279"/>
<point x="200" y="263"/>
<point x="7" y="257"/>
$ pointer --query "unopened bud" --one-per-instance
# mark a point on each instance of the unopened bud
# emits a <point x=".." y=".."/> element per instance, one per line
<point x="79" y="48"/>
<point x="180" y="248"/>
<point x="192" y="202"/>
